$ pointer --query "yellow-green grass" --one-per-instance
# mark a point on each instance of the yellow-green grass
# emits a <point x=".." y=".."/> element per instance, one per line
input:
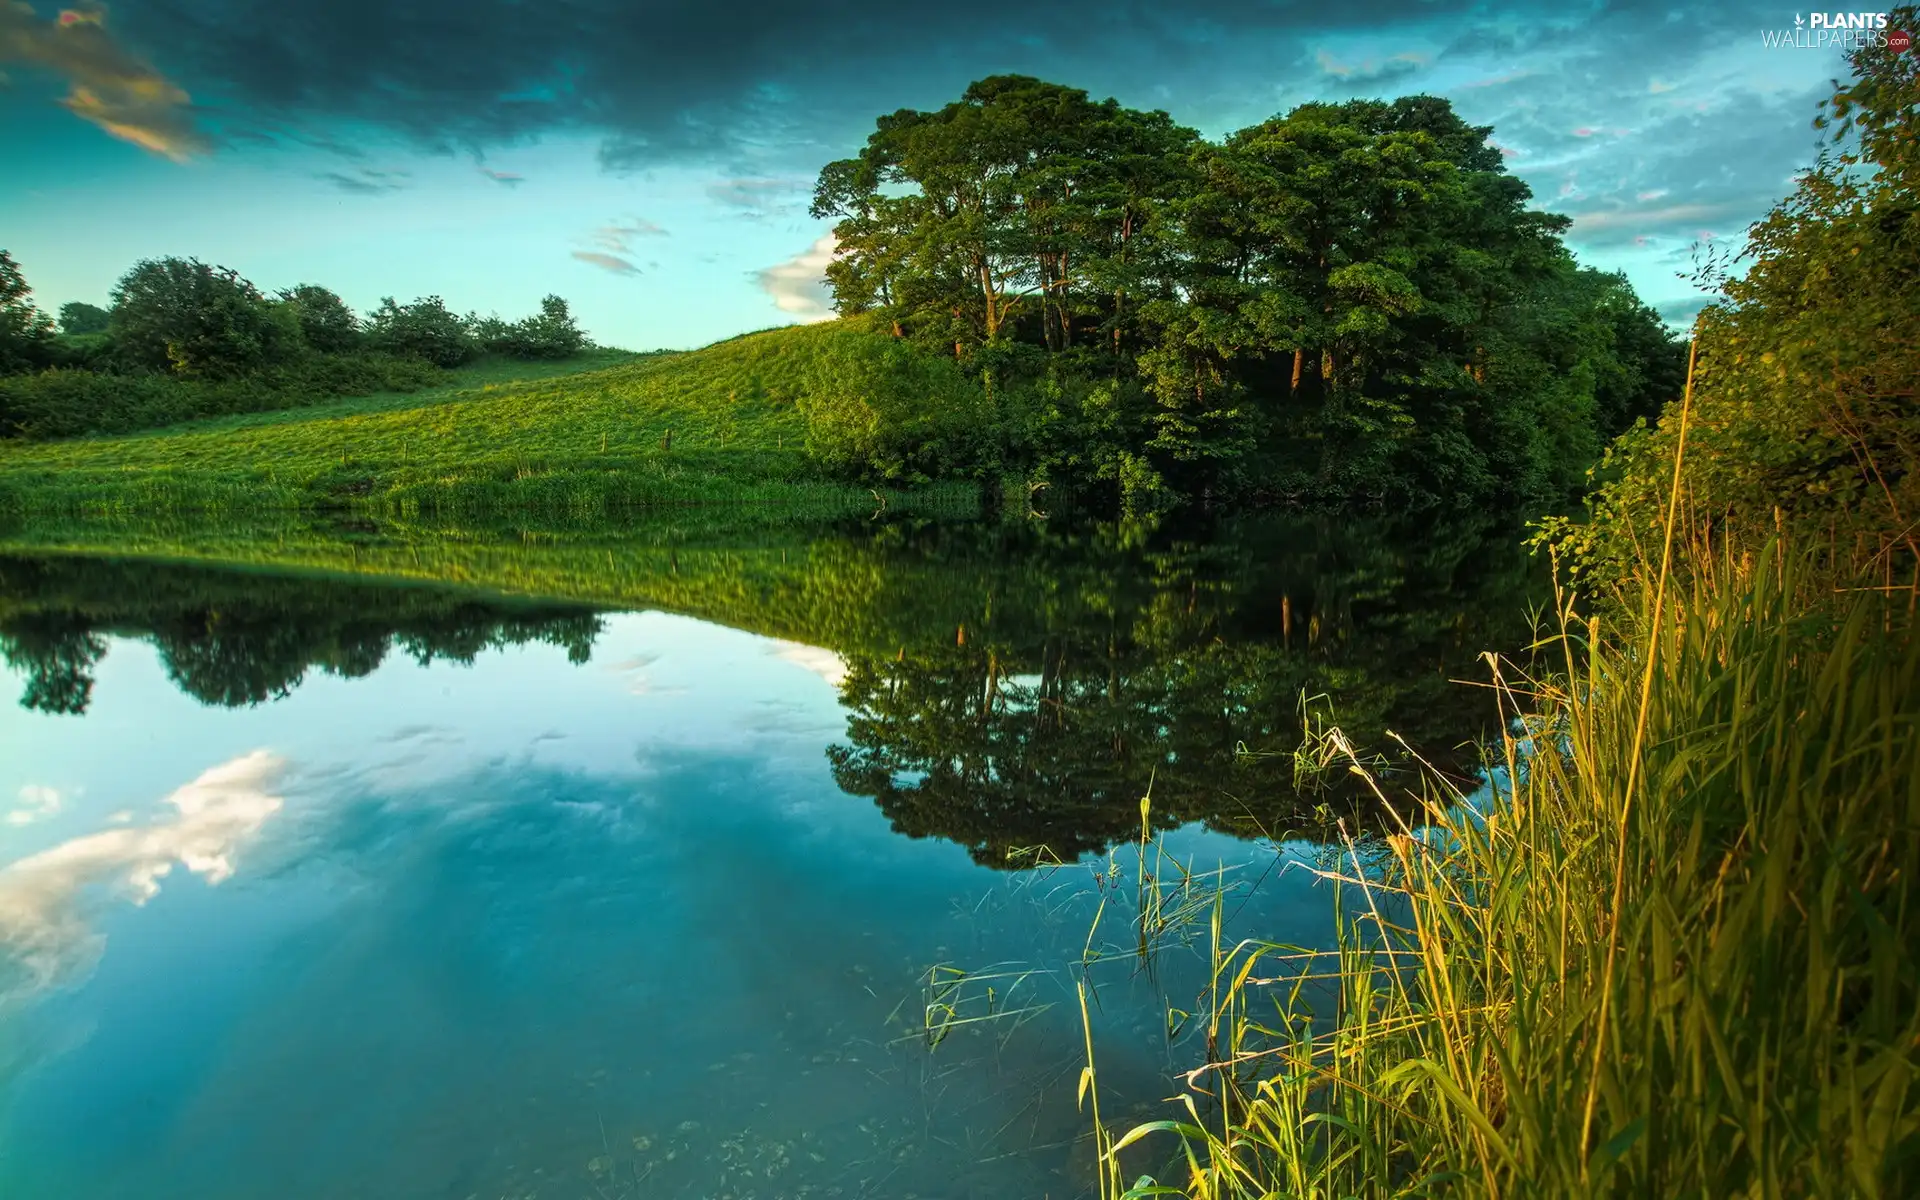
<point x="585" y="441"/>
<point x="748" y="568"/>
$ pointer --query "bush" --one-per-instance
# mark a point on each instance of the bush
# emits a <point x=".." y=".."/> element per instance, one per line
<point x="326" y="323"/>
<point x="82" y="351"/>
<point x="425" y="330"/>
<point x="64" y="402"/>
<point x="552" y="334"/>
<point x="184" y="317"/>
<point x="886" y="410"/>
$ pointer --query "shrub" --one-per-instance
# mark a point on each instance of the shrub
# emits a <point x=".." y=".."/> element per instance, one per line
<point x="64" y="402"/>
<point x="326" y="323"/>
<point x="886" y="410"/>
<point x="188" y="318"/>
<point x="552" y="334"/>
<point x="425" y="330"/>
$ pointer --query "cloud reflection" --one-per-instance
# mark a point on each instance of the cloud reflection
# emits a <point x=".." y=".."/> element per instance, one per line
<point x="42" y="927"/>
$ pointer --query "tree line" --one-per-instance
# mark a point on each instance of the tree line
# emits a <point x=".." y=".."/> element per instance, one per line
<point x="183" y="338"/>
<point x="1349" y="301"/>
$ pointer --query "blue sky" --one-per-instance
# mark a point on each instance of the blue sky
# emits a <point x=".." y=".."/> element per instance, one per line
<point x="651" y="162"/>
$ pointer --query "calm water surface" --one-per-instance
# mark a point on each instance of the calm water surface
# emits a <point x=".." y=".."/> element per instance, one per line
<point x="314" y="886"/>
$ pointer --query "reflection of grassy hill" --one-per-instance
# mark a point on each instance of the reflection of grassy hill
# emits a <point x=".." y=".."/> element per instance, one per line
<point x="586" y="441"/>
<point x="1005" y="686"/>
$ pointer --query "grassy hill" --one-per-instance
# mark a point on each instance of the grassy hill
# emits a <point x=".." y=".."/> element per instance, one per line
<point x="721" y="424"/>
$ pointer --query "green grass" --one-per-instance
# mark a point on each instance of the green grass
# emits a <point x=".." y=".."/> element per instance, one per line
<point x="496" y="437"/>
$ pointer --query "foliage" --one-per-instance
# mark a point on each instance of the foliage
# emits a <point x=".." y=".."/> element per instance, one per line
<point x="1349" y="301"/>
<point x="887" y="411"/>
<point x="82" y="352"/>
<point x="1803" y="412"/>
<point x="187" y="318"/>
<point x="24" y="329"/>
<point x="551" y="334"/>
<point x="66" y="402"/>
<point x="78" y="317"/>
<point x="424" y="329"/>
<point x="326" y="323"/>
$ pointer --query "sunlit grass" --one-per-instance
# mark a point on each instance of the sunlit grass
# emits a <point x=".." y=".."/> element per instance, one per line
<point x="719" y="425"/>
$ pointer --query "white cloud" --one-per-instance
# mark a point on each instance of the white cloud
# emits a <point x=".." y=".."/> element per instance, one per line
<point x="41" y="924"/>
<point x="37" y="803"/>
<point x="799" y="285"/>
<point x="824" y="663"/>
<point x="1594" y="222"/>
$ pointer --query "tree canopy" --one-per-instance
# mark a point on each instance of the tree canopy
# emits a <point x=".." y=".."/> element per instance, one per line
<point x="1350" y="300"/>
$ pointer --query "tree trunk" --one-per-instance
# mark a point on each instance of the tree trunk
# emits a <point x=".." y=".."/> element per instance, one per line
<point x="1299" y="361"/>
<point x="1060" y="306"/>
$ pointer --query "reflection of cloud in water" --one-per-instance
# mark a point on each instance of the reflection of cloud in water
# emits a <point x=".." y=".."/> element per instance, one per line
<point x="824" y="663"/>
<point x="425" y="734"/>
<point x="639" y="682"/>
<point x="41" y="926"/>
<point x="37" y="803"/>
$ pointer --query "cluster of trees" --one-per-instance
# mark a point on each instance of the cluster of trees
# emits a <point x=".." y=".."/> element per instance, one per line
<point x="233" y="639"/>
<point x="1351" y="300"/>
<point x="185" y="320"/>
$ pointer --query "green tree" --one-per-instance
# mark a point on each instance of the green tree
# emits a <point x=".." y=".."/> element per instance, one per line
<point x="326" y="323"/>
<point x="551" y="333"/>
<point x="24" y="329"/>
<point x="1803" y="407"/>
<point x="425" y="329"/>
<point x="189" y="318"/>
<point x="78" y="317"/>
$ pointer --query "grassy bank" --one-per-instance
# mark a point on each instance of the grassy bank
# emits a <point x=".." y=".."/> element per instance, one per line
<point x="726" y="424"/>
<point x="1670" y="956"/>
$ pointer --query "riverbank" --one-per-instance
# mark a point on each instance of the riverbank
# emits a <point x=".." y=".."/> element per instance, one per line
<point x="1665" y="954"/>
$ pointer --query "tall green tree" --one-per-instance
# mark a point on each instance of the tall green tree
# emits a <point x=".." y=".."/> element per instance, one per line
<point x="326" y="323"/>
<point x="79" y="317"/>
<point x="24" y="329"/>
<point x="190" y="318"/>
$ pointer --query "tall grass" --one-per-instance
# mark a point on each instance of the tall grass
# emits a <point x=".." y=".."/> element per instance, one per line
<point x="1670" y="952"/>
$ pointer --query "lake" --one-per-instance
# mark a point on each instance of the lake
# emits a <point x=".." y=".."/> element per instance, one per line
<point x="381" y="861"/>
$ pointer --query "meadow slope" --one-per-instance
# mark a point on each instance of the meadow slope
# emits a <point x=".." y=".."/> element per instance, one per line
<point x="720" y="424"/>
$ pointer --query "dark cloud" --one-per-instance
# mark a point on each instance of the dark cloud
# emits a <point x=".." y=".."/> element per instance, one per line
<point x="766" y="81"/>
<point x="607" y="262"/>
<point x="617" y="238"/>
<point x="108" y="84"/>
<point x="366" y="181"/>
<point x="504" y="178"/>
<point x="761" y="197"/>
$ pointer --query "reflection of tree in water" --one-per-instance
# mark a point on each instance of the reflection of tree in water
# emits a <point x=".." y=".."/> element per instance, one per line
<point x="1008" y="687"/>
<point x="1156" y="663"/>
<point x="237" y="638"/>
<point x="57" y="652"/>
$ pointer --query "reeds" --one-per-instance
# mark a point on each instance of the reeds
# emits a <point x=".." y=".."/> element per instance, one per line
<point x="1669" y="951"/>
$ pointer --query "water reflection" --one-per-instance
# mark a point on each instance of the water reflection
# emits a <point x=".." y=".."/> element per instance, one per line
<point x="1007" y="687"/>
<point x="204" y="824"/>
<point x="604" y="921"/>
